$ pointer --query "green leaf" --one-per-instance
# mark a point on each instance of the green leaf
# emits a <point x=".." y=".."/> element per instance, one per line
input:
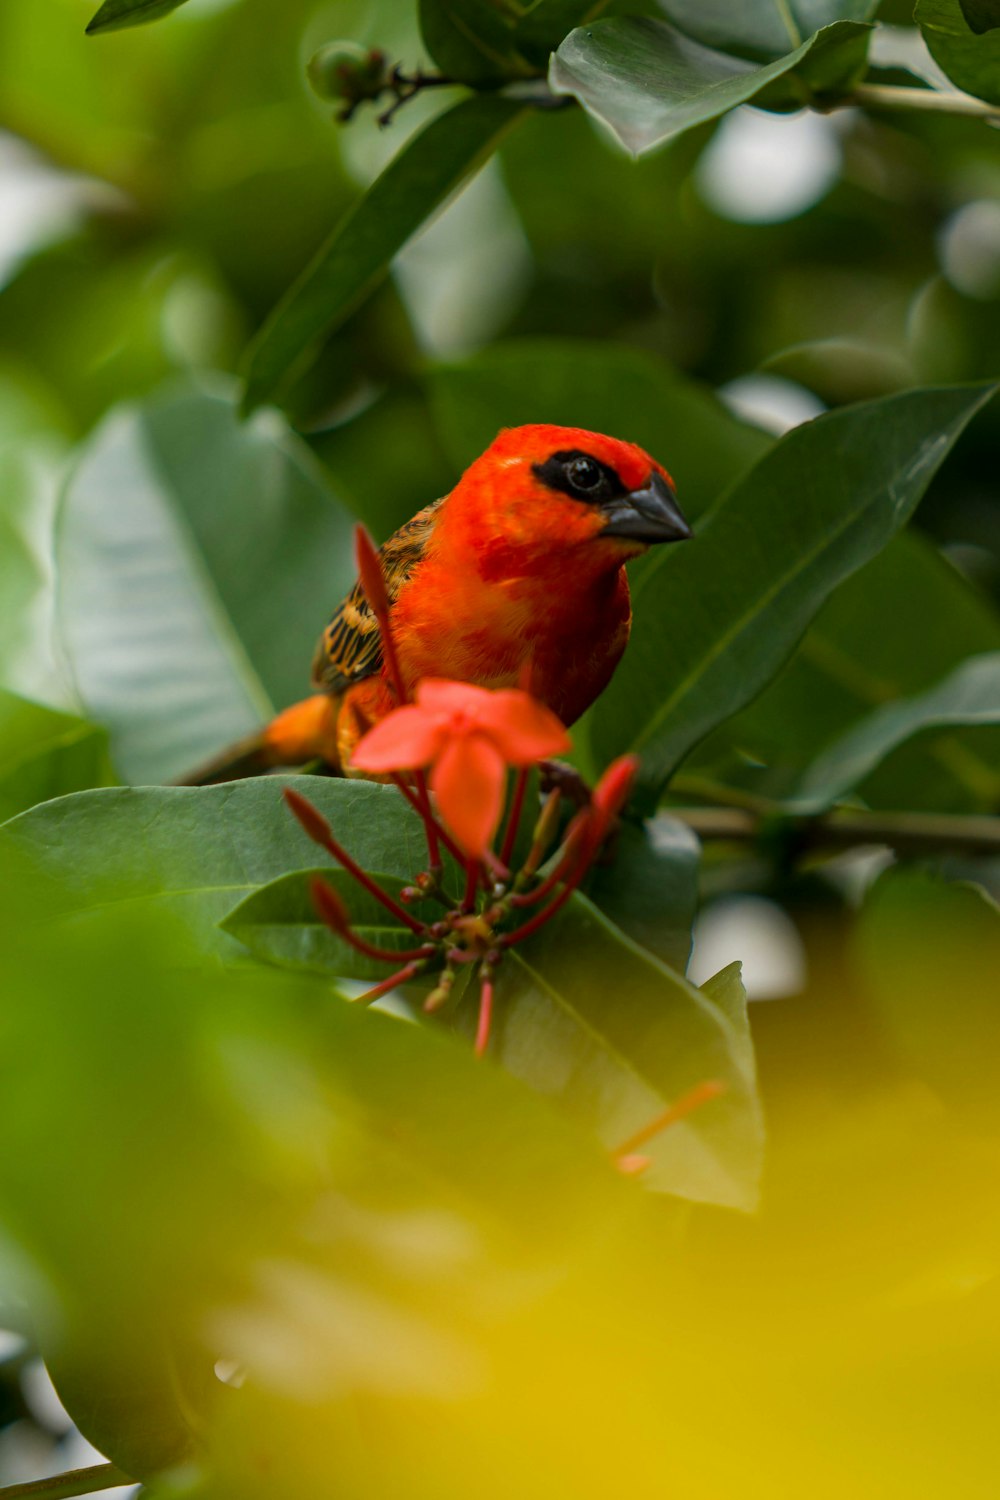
<point x="734" y="602"/>
<point x="115" y="15"/>
<point x="45" y="754"/>
<point x="969" y="55"/>
<point x="429" y="168"/>
<point x="929" y="951"/>
<point x="969" y="695"/>
<point x="198" y="851"/>
<point x="31" y="658"/>
<point x="278" y="923"/>
<point x="648" y="82"/>
<point x="587" y="1017"/>
<point x="761" y="29"/>
<point x="892" y="630"/>
<point x="605" y="387"/>
<point x="648" y="886"/>
<point x="489" y="42"/>
<point x="199" y="558"/>
<point x="982" y="15"/>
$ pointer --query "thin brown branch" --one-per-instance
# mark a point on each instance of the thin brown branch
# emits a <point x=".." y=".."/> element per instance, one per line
<point x="846" y="828"/>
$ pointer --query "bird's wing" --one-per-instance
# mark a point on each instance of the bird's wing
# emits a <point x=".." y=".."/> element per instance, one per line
<point x="350" y="647"/>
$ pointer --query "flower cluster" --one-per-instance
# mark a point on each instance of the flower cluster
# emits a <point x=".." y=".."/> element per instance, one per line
<point x="449" y="752"/>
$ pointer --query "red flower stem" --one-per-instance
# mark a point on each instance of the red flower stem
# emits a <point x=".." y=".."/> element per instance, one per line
<point x="485" y="1013"/>
<point x="320" y="832"/>
<point x="402" y="976"/>
<point x="514" y="816"/>
<point x="332" y="912"/>
<point x="462" y="956"/>
<point x="590" y="846"/>
<point x="530" y="898"/>
<point x="685" y="1105"/>
<point x="430" y="822"/>
<point x="473" y="872"/>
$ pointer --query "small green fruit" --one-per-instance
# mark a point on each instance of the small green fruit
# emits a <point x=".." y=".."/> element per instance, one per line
<point x="347" y="71"/>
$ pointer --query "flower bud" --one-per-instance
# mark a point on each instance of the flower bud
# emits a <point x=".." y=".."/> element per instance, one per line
<point x="347" y="71"/>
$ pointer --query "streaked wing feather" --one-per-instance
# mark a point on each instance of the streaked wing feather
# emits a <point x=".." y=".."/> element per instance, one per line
<point x="350" y="648"/>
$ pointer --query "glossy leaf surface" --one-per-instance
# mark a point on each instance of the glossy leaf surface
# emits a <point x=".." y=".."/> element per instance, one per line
<point x="970" y="55"/>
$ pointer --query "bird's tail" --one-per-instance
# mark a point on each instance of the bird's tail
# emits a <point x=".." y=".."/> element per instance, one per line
<point x="306" y="731"/>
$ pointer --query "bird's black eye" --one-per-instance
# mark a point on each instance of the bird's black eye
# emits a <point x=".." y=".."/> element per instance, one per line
<point x="580" y="476"/>
<point x="584" y="474"/>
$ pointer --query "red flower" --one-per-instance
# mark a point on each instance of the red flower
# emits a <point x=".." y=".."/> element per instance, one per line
<point x="469" y="736"/>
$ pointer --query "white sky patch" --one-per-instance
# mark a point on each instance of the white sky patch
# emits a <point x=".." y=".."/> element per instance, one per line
<point x="757" y="932"/>
<point x="771" y="402"/>
<point x="968" y="248"/>
<point x="40" y="204"/>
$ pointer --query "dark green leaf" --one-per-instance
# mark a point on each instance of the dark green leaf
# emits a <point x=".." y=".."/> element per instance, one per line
<point x="45" y="754"/>
<point x="606" y="387"/>
<point x="278" y="923"/>
<point x="892" y="630"/>
<point x="115" y="15"/>
<point x="649" y="83"/>
<point x="969" y="695"/>
<point x="648" y="886"/>
<point x="472" y="41"/>
<point x="929" y="952"/>
<point x="200" y="851"/>
<point x="733" y="602"/>
<point x="761" y="29"/>
<point x="199" y="560"/>
<point x="586" y="1016"/>
<point x="982" y="15"/>
<point x="428" y="169"/>
<point x="969" y="55"/>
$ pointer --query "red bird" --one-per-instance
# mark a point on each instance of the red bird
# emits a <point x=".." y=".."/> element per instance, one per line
<point x="521" y="568"/>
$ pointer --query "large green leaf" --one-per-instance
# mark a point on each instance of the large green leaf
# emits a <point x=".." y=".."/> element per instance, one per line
<point x="116" y="15"/>
<point x="970" y="57"/>
<point x="355" y="257"/>
<point x="198" y="851"/>
<point x="929" y="952"/>
<point x="968" y="696"/>
<point x="605" y="387"/>
<point x="45" y="754"/>
<point x="761" y="29"/>
<point x="199" y="558"/>
<point x="586" y="1016"/>
<point x="648" y="82"/>
<point x="715" y="619"/>
<point x="891" y="630"/>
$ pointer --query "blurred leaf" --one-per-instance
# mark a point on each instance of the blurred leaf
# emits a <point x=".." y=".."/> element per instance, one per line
<point x="648" y="886"/>
<point x="473" y="40"/>
<point x="429" y="168"/>
<point x="761" y="29"/>
<point x="969" y="55"/>
<point x="982" y="15"/>
<point x="31" y="659"/>
<point x="736" y="599"/>
<point x="278" y="923"/>
<point x="892" y="630"/>
<point x="587" y="1017"/>
<point x="928" y="950"/>
<point x="602" y="386"/>
<point x="115" y="15"/>
<point x="197" y="851"/>
<point x="648" y="82"/>
<point x="970" y="695"/>
<point x="45" y="754"/>
<point x="199" y="558"/>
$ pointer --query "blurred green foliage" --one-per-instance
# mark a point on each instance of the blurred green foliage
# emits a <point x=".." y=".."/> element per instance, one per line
<point x="269" y="1244"/>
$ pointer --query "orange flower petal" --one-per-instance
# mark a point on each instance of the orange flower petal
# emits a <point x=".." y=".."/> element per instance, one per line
<point x="468" y="782"/>
<point x="523" y="729"/>
<point x="405" y="739"/>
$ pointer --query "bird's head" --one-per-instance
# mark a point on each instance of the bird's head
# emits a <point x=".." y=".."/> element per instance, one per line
<point x="561" y="489"/>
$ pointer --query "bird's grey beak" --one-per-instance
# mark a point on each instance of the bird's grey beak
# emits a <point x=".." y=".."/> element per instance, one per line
<point x="647" y="515"/>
